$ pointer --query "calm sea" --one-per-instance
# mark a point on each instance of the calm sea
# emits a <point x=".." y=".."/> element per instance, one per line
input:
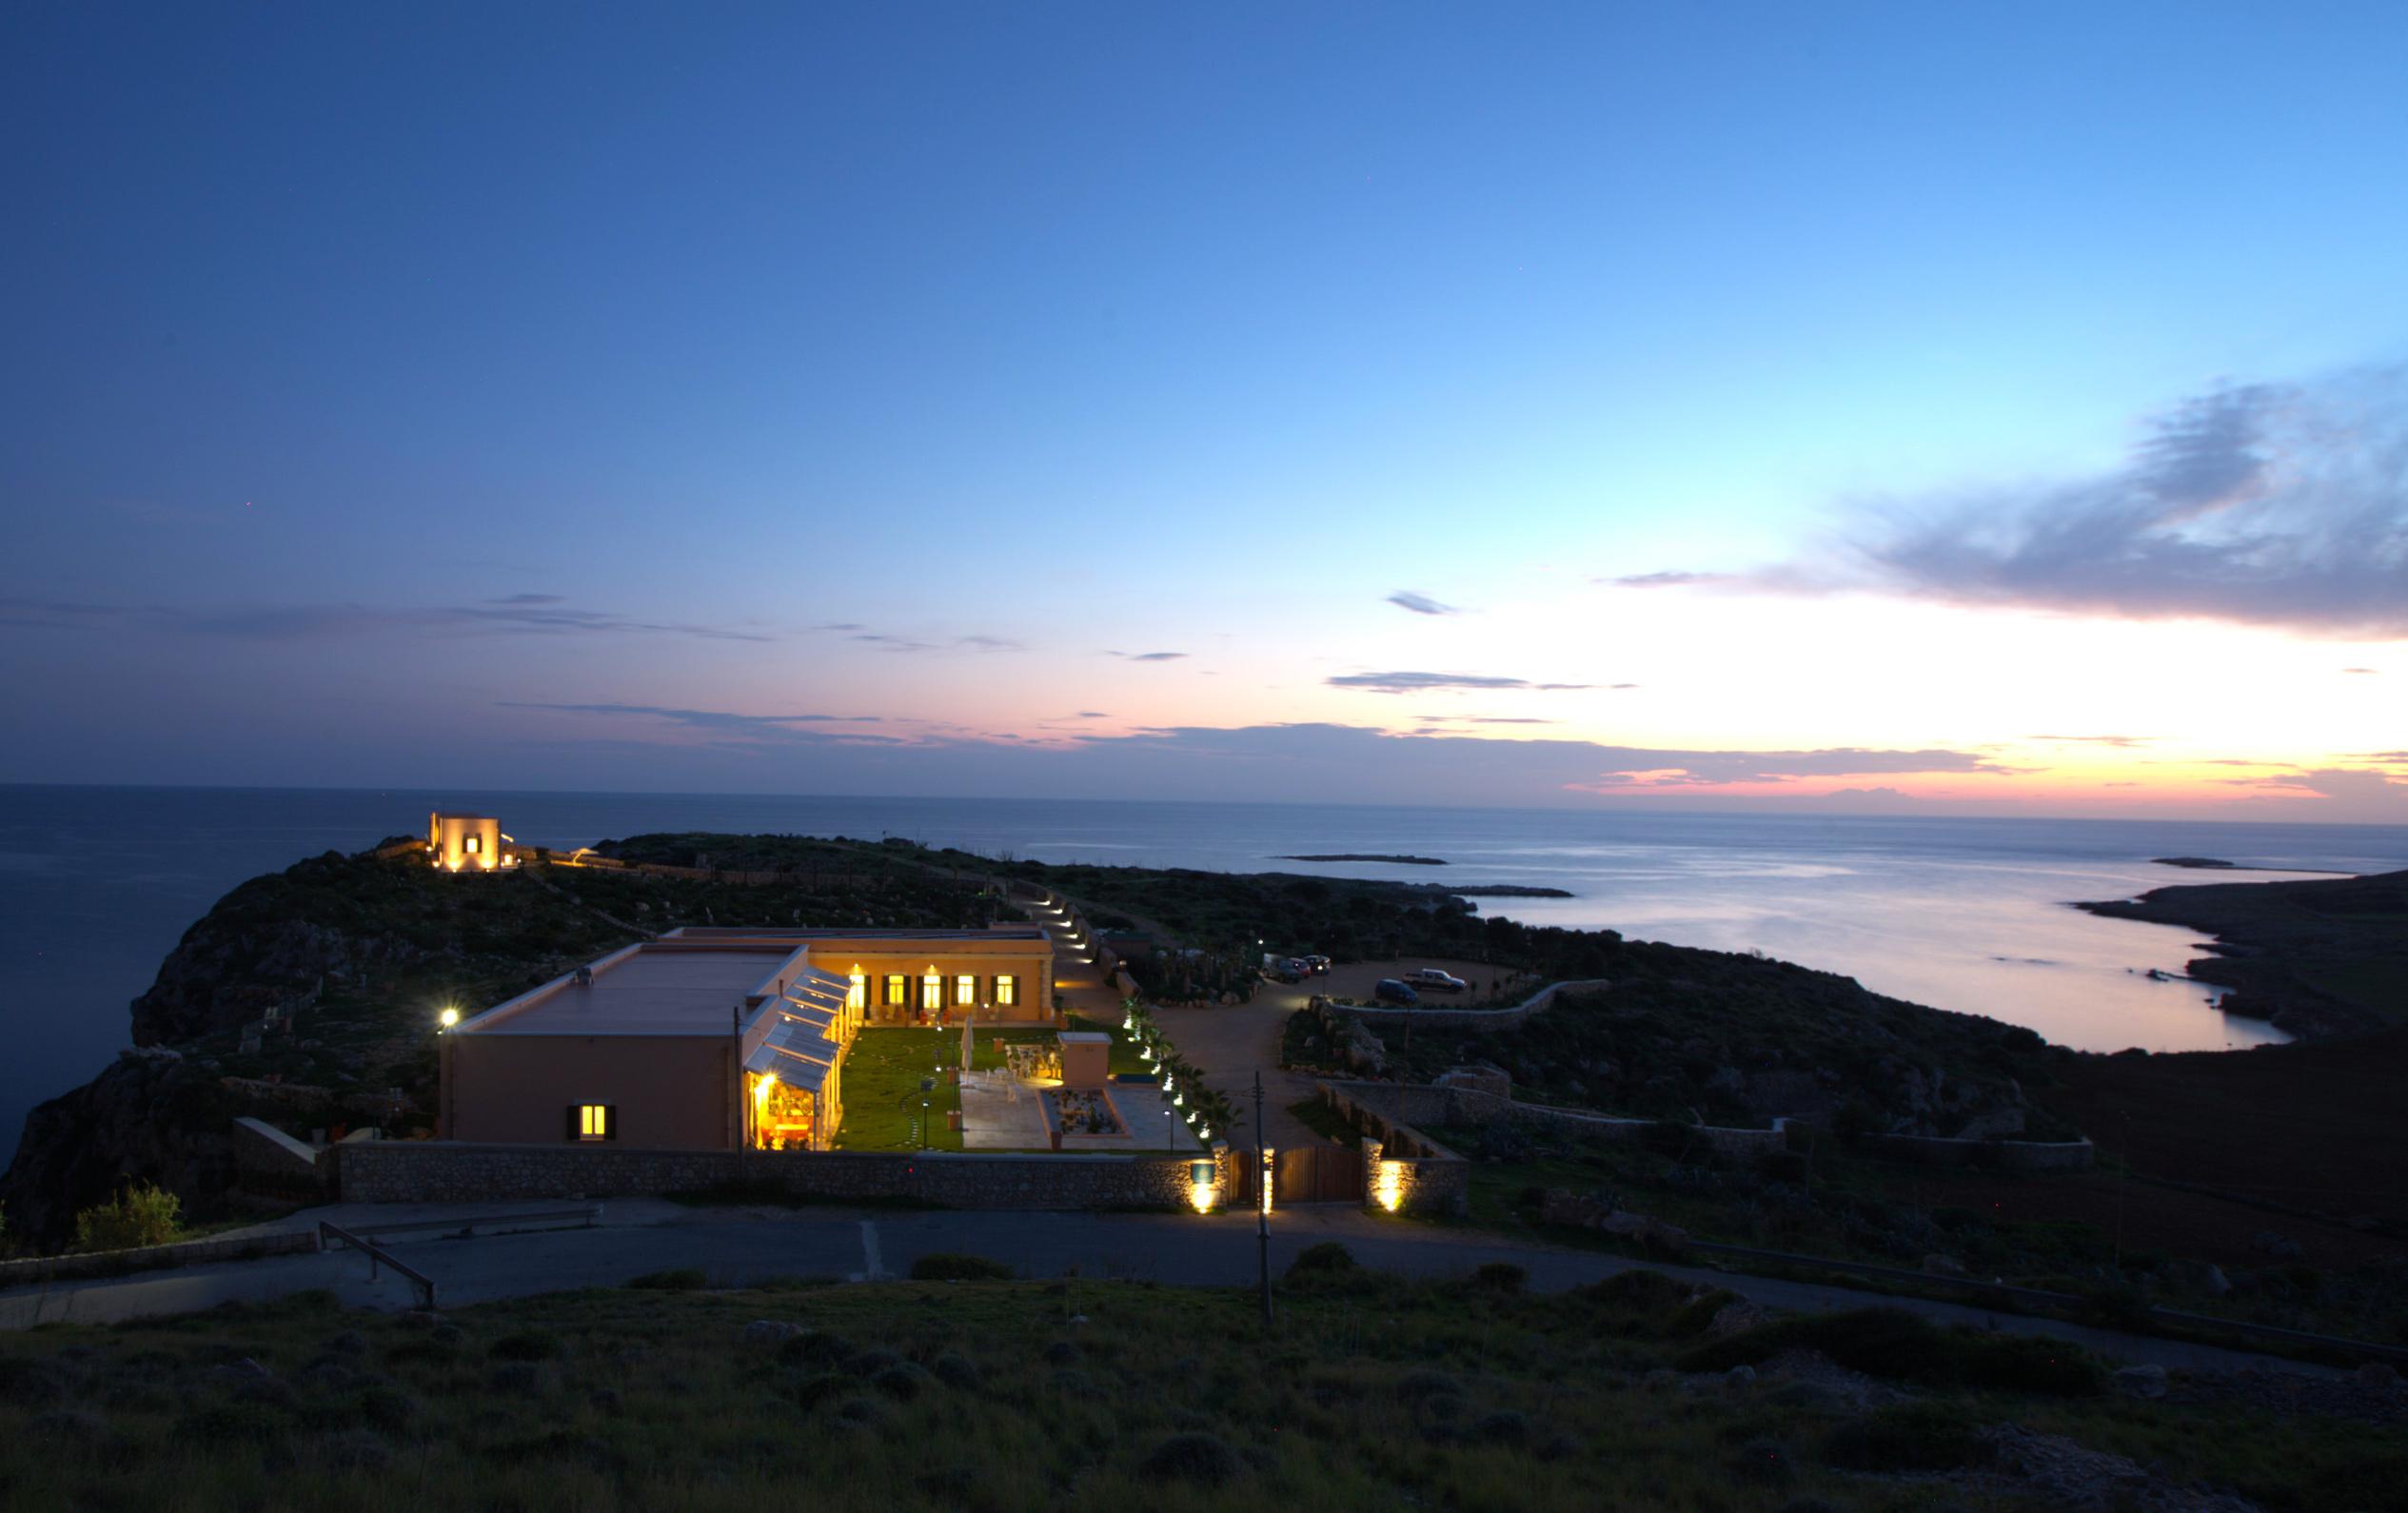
<point x="97" y="884"/>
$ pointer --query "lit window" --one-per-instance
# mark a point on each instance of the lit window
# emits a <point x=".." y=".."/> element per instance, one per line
<point x="593" y="1121"/>
<point x="858" y="996"/>
<point x="1007" y="990"/>
<point x="931" y="991"/>
<point x="965" y="988"/>
<point x="896" y="995"/>
<point x="470" y="845"/>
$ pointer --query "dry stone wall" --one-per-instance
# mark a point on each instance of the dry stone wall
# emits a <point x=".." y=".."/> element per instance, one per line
<point x="451" y="1172"/>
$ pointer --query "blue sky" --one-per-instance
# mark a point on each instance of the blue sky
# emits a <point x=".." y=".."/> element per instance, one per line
<point x="372" y="372"/>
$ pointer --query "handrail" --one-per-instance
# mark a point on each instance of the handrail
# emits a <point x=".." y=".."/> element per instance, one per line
<point x="375" y="1252"/>
<point x="590" y="1216"/>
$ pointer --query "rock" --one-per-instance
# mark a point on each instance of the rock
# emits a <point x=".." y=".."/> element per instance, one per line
<point x="2203" y="1277"/>
<point x="770" y="1331"/>
<point x="1741" y="1376"/>
<point x="1943" y="1265"/>
<point x="2141" y="1381"/>
<point x="2279" y="1246"/>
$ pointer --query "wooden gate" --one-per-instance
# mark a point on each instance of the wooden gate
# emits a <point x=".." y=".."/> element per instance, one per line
<point x="1315" y="1173"/>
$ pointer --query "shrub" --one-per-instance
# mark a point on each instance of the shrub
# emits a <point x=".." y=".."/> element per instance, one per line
<point x="949" y="1266"/>
<point x="1900" y="1345"/>
<point x="526" y="1344"/>
<point x="678" y="1279"/>
<point x="1502" y="1277"/>
<point x="1912" y="1437"/>
<point x="1200" y="1459"/>
<point x="140" y="1214"/>
<point x="1329" y="1258"/>
<point x="1763" y="1462"/>
<point x="1639" y="1291"/>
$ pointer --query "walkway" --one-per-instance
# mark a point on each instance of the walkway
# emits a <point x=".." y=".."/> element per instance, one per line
<point x="742" y="1245"/>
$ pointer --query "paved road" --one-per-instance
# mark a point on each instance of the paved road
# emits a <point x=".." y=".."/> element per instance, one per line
<point x="742" y="1245"/>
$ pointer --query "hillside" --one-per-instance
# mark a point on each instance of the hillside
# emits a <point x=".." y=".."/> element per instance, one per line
<point x="2321" y="958"/>
<point x="1367" y="1393"/>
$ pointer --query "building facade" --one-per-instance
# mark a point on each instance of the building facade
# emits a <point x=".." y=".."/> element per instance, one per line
<point x="721" y="1039"/>
<point x="469" y="843"/>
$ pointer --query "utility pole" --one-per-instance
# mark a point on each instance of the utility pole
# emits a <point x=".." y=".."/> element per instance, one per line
<point x="1262" y="1206"/>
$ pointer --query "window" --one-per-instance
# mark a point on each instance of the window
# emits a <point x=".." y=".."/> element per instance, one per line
<point x="965" y="989"/>
<point x="931" y="991"/>
<point x="470" y="844"/>
<point x="858" y="996"/>
<point x="593" y="1121"/>
<point x="1007" y="990"/>
<point x="896" y="995"/>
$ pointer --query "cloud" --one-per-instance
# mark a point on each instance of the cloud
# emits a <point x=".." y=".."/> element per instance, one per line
<point x="1149" y="657"/>
<point x="529" y="599"/>
<point x="2098" y="741"/>
<point x="911" y="644"/>
<point x="1424" y="682"/>
<point x="534" y="614"/>
<point x="723" y="723"/>
<point x="1665" y="579"/>
<point x="2260" y="504"/>
<point x="2365" y="790"/>
<point x="2367" y="672"/>
<point x="1420" y="603"/>
<point x="2383" y="759"/>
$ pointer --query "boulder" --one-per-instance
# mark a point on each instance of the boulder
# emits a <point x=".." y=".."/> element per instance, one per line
<point x="2141" y="1381"/>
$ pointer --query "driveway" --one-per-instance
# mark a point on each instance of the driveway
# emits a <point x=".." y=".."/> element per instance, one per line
<point x="1232" y="1043"/>
<point x="742" y="1246"/>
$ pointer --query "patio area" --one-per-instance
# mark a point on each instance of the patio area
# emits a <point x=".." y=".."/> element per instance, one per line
<point x="883" y="1099"/>
<point x="1001" y="1112"/>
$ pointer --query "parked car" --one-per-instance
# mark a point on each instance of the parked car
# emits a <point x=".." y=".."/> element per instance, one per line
<point x="1317" y="966"/>
<point x="1433" y="979"/>
<point x="1392" y="990"/>
<point x="1285" y="971"/>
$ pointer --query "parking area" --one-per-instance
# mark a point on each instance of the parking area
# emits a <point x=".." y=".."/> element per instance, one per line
<point x="1355" y="979"/>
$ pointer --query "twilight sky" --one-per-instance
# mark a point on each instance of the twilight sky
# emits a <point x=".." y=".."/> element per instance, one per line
<point x="1854" y="407"/>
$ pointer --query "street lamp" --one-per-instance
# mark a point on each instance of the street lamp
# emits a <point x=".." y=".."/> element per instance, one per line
<point x="450" y="1017"/>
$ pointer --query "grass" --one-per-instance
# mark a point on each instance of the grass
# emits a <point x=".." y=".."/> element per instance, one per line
<point x="884" y="1069"/>
<point x="1369" y="1391"/>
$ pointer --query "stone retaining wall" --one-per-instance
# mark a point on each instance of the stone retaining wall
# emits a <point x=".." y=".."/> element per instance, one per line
<point x="1378" y="1104"/>
<point x="268" y="1160"/>
<point x="1993" y="1155"/>
<point x="1468" y="1018"/>
<point x="153" y="1257"/>
<point x="453" y="1171"/>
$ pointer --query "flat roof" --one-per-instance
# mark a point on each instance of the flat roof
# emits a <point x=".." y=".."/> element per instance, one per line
<point x="651" y="989"/>
<point x="805" y="936"/>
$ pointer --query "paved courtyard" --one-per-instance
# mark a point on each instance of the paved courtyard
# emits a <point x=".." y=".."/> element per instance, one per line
<point x="998" y="1112"/>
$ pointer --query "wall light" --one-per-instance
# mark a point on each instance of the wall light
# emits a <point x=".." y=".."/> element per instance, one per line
<point x="450" y="1017"/>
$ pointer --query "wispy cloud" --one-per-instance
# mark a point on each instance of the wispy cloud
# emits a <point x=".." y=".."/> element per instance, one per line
<point x="529" y="599"/>
<point x="723" y="723"/>
<point x="2364" y="672"/>
<point x="2260" y="504"/>
<point x="1428" y="682"/>
<point x="532" y="614"/>
<point x="1149" y="657"/>
<point x="1420" y="603"/>
<point x="1665" y="579"/>
<point x="2123" y="741"/>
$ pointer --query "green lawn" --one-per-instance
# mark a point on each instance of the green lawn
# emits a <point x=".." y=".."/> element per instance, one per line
<point x="883" y="1070"/>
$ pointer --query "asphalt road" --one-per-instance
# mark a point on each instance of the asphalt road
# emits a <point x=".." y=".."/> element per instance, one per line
<point x="742" y="1245"/>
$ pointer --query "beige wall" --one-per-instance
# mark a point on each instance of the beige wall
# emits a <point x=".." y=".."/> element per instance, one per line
<point x="673" y="1093"/>
<point x="1031" y="962"/>
<point x="449" y="835"/>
